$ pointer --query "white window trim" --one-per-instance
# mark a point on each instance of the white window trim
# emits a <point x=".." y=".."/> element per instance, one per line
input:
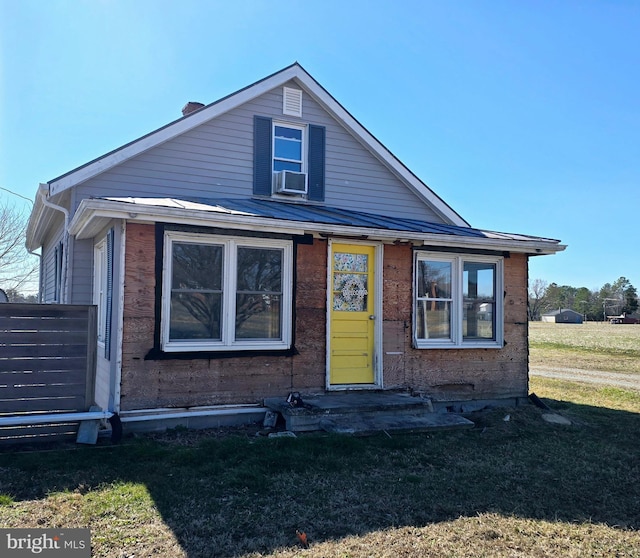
<point x="100" y="288"/>
<point x="229" y="280"/>
<point x="457" y="270"/>
<point x="303" y="147"/>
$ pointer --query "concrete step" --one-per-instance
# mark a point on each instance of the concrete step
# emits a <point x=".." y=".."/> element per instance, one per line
<point x="349" y="402"/>
<point x="396" y="422"/>
<point x="362" y="412"/>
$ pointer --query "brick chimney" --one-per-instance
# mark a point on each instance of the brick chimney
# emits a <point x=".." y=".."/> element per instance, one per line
<point x="190" y="107"/>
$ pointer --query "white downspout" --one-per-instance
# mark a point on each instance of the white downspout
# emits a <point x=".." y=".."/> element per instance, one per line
<point x="43" y="192"/>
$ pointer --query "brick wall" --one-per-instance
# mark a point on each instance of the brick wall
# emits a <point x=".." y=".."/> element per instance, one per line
<point x="456" y="374"/>
<point x="171" y="383"/>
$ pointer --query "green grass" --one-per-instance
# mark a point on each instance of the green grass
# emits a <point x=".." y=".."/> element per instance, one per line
<point x="521" y="487"/>
<point x="590" y="346"/>
<point x="595" y="350"/>
<point x="6" y="500"/>
<point x="516" y="488"/>
<point x="618" y="339"/>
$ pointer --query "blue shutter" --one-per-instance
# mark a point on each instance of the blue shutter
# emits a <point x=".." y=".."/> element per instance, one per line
<point x="316" y="162"/>
<point x="56" y="274"/>
<point x="109" y="296"/>
<point x="59" y="264"/>
<point x="262" y="159"/>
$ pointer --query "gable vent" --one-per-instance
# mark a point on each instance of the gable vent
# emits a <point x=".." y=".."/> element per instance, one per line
<point x="291" y="101"/>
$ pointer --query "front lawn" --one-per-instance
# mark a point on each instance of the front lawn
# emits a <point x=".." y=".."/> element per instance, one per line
<point x="516" y="487"/>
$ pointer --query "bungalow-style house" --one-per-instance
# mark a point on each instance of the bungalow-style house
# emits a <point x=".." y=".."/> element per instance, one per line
<point x="268" y="243"/>
<point x="562" y="316"/>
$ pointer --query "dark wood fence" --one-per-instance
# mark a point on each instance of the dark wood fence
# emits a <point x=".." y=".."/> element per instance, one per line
<point x="47" y="366"/>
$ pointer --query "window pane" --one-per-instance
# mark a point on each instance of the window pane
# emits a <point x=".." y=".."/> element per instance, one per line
<point x="259" y="290"/>
<point x="196" y="291"/>
<point x="479" y="300"/>
<point x="195" y="316"/>
<point x="287" y="149"/>
<point x="433" y="309"/>
<point x="478" y="321"/>
<point x="350" y="262"/>
<point x="287" y="165"/>
<point x="433" y="320"/>
<point x="259" y="270"/>
<point x="291" y="133"/>
<point x="434" y="279"/>
<point x="479" y="280"/>
<point x="197" y="266"/>
<point x="258" y="316"/>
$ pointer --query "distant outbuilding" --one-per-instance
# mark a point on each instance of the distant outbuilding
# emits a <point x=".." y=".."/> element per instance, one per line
<point x="624" y="319"/>
<point x="563" y="316"/>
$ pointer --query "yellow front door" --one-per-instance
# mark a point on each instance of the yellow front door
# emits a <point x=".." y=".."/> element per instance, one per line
<point x="352" y="300"/>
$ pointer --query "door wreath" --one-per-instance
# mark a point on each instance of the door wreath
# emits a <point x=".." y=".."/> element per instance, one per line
<point x="354" y="290"/>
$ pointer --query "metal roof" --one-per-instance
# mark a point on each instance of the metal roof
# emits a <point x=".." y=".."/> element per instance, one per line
<point x="308" y="213"/>
<point x="561" y="311"/>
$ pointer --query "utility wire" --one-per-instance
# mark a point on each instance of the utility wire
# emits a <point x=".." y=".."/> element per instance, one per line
<point x="16" y="194"/>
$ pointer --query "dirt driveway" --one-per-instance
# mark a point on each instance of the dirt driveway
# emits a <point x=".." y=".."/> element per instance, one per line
<point x="626" y="381"/>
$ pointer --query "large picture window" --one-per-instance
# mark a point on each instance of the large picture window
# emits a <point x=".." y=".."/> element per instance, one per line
<point x="456" y="301"/>
<point x="226" y="293"/>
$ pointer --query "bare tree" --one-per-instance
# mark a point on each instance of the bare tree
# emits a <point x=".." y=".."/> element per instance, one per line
<point x="18" y="268"/>
<point x="537" y="298"/>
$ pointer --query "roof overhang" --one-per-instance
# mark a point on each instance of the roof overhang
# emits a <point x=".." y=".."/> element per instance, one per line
<point x="294" y="72"/>
<point x="42" y="217"/>
<point x="37" y="225"/>
<point x="93" y="215"/>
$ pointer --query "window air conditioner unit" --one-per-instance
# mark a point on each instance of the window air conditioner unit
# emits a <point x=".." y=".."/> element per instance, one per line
<point x="290" y="182"/>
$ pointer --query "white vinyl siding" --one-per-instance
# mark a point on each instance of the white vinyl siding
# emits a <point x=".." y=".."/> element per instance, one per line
<point x="458" y="301"/>
<point x="49" y="266"/>
<point x="81" y="260"/>
<point x="226" y="293"/>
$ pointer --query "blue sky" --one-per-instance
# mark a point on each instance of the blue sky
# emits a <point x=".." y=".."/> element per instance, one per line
<point x="524" y="116"/>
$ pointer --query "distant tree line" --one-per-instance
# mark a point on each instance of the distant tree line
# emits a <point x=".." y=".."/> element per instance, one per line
<point x="612" y="299"/>
<point x="13" y="295"/>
